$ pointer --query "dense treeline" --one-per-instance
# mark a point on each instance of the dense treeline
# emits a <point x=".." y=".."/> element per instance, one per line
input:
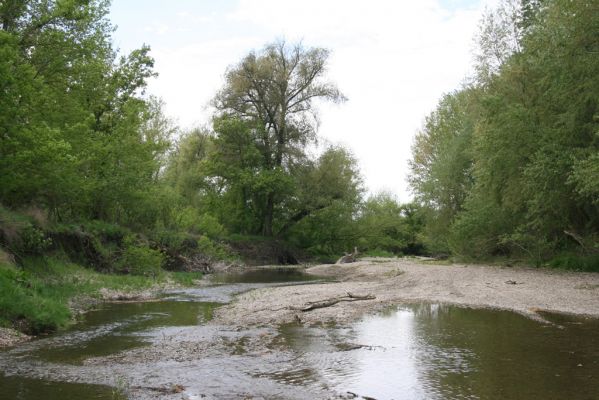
<point x="93" y="175"/>
<point x="252" y="173"/>
<point x="509" y="164"/>
<point x="91" y="168"/>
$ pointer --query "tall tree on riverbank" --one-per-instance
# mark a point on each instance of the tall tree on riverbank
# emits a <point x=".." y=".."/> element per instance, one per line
<point x="274" y="92"/>
<point x="77" y="137"/>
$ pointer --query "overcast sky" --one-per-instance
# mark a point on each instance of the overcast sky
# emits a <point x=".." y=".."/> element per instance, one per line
<point x="393" y="59"/>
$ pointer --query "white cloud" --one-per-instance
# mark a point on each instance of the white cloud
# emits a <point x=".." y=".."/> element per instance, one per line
<point x="157" y="29"/>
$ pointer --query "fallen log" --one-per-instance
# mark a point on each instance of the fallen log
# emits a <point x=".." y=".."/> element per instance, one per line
<point x="313" y="305"/>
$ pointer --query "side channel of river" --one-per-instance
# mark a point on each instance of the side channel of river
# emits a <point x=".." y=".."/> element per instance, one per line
<point x="171" y="349"/>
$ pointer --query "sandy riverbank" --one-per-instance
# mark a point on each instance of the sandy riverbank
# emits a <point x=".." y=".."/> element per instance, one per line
<point x="394" y="281"/>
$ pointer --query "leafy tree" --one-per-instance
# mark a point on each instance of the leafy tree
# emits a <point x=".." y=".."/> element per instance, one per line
<point x="77" y="136"/>
<point x="274" y="92"/>
<point x="442" y="161"/>
<point x="320" y="216"/>
<point x="531" y="152"/>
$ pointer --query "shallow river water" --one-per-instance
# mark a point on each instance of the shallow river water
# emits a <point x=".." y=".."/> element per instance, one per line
<point x="417" y="351"/>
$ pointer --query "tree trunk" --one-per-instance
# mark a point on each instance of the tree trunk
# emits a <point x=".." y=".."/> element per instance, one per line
<point x="268" y="215"/>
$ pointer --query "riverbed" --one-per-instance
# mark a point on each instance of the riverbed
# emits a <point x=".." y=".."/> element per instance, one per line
<point x="242" y="336"/>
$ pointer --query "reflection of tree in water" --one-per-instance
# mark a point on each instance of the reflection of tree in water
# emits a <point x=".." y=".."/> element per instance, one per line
<point x="116" y="327"/>
<point x="469" y="353"/>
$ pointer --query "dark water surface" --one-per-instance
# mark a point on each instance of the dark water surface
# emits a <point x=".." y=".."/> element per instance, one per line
<point x="20" y="388"/>
<point x="117" y="327"/>
<point x="421" y="351"/>
<point x="264" y="275"/>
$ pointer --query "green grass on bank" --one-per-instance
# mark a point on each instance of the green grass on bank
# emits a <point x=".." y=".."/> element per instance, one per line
<point x="576" y="262"/>
<point x="35" y="297"/>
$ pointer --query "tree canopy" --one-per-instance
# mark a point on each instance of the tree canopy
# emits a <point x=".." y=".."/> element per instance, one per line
<point x="507" y="165"/>
<point x="273" y="93"/>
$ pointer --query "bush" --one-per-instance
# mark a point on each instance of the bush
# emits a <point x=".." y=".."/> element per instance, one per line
<point x="33" y="241"/>
<point x="210" y="226"/>
<point x="575" y="262"/>
<point x="175" y="242"/>
<point x="139" y="259"/>
<point x="214" y="250"/>
<point x="379" y="253"/>
<point x="106" y="231"/>
<point x="20" y="235"/>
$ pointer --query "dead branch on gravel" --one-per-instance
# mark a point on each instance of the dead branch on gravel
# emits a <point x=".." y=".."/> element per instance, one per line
<point x="313" y="305"/>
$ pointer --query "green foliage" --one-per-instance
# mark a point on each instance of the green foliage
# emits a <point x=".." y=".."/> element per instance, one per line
<point x="185" y="278"/>
<point x="21" y="235"/>
<point x="270" y="96"/>
<point x="321" y="216"/>
<point x="76" y="137"/>
<point x="576" y="262"/>
<point x="34" y="240"/>
<point x="385" y="225"/>
<point x="214" y="250"/>
<point x="106" y="231"/>
<point x="37" y="297"/>
<point x="441" y="167"/>
<point x="23" y="303"/>
<point x="509" y="164"/>
<point x="138" y="259"/>
<point x="379" y="253"/>
<point x="81" y="141"/>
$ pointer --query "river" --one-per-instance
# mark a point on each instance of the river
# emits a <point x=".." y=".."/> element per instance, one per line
<point x="171" y="349"/>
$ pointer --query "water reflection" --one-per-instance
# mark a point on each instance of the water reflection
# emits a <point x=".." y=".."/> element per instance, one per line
<point x="19" y="388"/>
<point x="264" y="275"/>
<point x="116" y="327"/>
<point x="431" y="351"/>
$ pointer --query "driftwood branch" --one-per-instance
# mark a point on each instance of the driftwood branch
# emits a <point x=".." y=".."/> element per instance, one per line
<point x="580" y="240"/>
<point x="348" y="257"/>
<point x="313" y="305"/>
<point x="577" y="238"/>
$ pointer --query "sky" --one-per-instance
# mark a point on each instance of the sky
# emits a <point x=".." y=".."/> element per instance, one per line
<point x="393" y="59"/>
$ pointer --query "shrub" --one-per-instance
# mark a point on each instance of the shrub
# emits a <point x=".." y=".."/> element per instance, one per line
<point x="175" y="242"/>
<point x="106" y="231"/>
<point x="139" y="259"/>
<point x="379" y="253"/>
<point x="20" y="235"/>
<point x="575" y="262"/>
<point x="213" y="249"/>
<point x="34" y="241"/>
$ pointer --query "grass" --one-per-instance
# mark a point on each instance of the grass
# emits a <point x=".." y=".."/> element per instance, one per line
<point x="35" y="298"/>
<point x="378" y="253"/>
<point x="576" y="262"/>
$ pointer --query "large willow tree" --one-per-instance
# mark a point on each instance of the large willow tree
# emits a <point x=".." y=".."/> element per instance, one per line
<point x="274" y="91"/>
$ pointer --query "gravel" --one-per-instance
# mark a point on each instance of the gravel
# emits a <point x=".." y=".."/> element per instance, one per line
<point x="394" y="281"/>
